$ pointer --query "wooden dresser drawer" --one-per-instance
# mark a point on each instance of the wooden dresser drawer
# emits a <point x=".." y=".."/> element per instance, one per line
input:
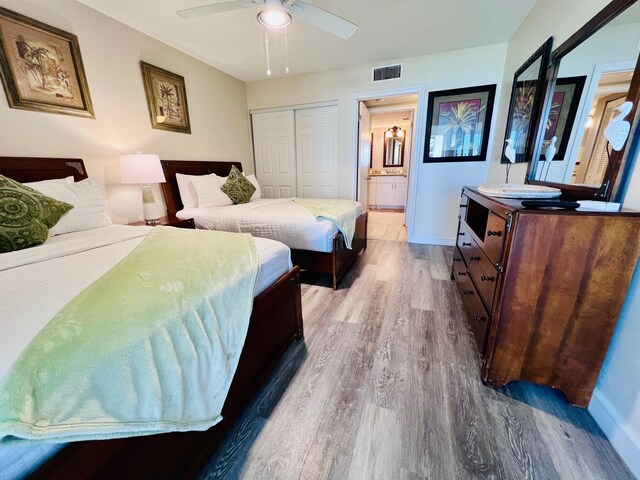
<point x="459" y="268"/>
<point x="464" y="241"/>
<point x="494" y="237"/>
<point x="484" y="275"/>
<point x="478" y="316"/>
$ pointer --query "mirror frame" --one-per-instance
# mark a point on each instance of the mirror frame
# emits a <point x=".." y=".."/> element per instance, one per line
<point x="615" y="185"/>
<point x="384" y="155"/>
<point x="543" y="53"/>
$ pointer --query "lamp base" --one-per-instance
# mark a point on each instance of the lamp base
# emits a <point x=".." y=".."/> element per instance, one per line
<point x="149" y="207"/>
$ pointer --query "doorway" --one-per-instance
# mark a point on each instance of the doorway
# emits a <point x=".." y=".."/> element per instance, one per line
<point x="385" y="158"/>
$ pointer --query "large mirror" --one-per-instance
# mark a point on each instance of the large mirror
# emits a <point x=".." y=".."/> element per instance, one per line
<point x="393" y="154"/>
<point x="590" y="76"/>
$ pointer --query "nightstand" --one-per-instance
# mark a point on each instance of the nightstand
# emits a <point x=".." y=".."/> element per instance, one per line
<point x="171" y="222"/>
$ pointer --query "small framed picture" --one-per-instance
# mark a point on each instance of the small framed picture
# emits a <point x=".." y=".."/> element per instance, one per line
<point x="166" y="98"/>
<point x="458" y="124"/>
<point x="564" y="106"/>
<point x="41" y="67"/>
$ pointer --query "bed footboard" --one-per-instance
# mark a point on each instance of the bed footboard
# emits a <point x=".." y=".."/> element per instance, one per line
<point x="338" y="261"/>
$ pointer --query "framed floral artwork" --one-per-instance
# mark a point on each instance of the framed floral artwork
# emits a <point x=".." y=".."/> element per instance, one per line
<point x="458" y="124"/>
<point x="41" y="67"/>
<point x="525" y="105"/>
<point x="562" y="115"/>
<point x="166" y="98"/>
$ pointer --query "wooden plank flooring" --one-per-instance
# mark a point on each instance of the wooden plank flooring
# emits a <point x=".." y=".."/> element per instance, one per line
<point x="386" y="385"/>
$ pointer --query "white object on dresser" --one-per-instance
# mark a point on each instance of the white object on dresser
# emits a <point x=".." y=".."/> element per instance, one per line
<point x="514" y="190"/>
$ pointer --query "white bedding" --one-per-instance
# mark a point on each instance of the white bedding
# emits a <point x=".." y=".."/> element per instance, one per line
<point x="277" y="218"/>
<point x="38" y="282"/>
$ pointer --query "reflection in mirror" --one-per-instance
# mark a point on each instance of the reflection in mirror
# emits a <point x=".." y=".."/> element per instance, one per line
<point x="393" y="155"/>
<point x="604" y="64"/>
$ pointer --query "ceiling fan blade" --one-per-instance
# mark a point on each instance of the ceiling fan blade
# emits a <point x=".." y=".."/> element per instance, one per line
<point x="216" y="8"/>
<point x="320" y="18"/>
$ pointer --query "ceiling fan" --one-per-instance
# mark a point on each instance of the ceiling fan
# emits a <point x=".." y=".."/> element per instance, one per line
<point x="277" y="14"/>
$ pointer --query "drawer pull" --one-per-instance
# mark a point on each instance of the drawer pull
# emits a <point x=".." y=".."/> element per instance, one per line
<point x="463" y="274"/>
<point x="471" y="259"/>
<point x="485" y="278"/>
<point x="463" y="206"/>
<point x="467" y="292"/>
<point x="478" y="318"/>
<point x="494" y="233"/>
<point x="466" y="244"/>
<point x="461" y="234"/>
<point x="457" y="259"/>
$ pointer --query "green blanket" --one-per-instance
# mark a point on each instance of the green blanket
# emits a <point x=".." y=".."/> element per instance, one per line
<point x="150" y="347"/>
<point x="342" y="213"/>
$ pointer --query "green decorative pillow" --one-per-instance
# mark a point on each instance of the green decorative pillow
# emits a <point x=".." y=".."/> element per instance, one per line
<point x="26" y="215"/>
<point x="237" y="187"/>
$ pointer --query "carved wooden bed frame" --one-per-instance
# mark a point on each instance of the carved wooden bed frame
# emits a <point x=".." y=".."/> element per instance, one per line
<point x="276" y="322"/>
<point x="336" y="263"/>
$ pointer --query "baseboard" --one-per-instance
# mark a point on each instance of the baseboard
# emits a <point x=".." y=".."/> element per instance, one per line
<point x="624" y="441"/>
<point x="449" y="242"/>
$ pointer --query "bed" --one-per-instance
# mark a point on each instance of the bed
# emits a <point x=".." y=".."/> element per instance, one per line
<point x="276" y="322"/>
<point x="323" y="250"/>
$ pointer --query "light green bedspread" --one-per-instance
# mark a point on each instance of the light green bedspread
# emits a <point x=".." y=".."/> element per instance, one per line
<point x="342" y="213"/>
<point x="150" y="347"/>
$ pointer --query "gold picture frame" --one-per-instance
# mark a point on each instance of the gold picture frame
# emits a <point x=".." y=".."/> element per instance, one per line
<point x="166" y="98"/>
<point x="41" y="67"/>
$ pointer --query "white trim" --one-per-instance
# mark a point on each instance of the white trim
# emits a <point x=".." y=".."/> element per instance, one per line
<point x="300" y="106"/>
<point x="447" y="242"/>
<point x="624" y="441"/>
<point x="417" y="154"/>
<point x="408" y="107"/>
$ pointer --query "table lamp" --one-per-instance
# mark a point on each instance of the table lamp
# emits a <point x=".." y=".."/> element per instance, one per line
<point x="143" y="169"/>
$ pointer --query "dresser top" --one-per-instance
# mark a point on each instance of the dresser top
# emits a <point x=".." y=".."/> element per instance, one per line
<point x="515" y="204"/>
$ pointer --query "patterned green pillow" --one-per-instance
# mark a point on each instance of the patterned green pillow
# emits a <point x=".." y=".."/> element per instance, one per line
<point x="237" y="187"/>
<point x="26" y="215"/>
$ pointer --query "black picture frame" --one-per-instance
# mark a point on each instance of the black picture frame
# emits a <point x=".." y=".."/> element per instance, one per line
<point x="560" y="121"/>
<point x="467" y="148"/>
<point x="527" y="94"/>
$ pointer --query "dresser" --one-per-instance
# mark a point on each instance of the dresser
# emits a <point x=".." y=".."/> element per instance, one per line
<point x="543" y="289"/>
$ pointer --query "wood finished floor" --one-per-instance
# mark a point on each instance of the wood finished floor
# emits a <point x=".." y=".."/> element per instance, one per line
<point x="386" y="386"/>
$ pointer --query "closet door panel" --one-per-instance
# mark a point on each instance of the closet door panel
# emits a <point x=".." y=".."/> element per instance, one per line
<point x="317" y="152"/>
<point x="275" y="153"/>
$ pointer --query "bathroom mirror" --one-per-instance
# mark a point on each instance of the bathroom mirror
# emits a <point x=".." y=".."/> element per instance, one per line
<point x="393" y="151"/>
<point x="590" y="75"/>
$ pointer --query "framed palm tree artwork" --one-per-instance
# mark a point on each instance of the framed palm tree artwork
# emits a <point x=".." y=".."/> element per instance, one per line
<point x="166" y="98"/>
<point x="41" y="67"/>
<point x="458" y="124"/>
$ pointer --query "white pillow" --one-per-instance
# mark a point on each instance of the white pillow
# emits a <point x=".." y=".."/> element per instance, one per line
<point x="89" y="210"/>
<point x="188" y="193"/>
<point x="209" y="193"/>
<point x="254" y="181"/>
<point x="66" y="180"/>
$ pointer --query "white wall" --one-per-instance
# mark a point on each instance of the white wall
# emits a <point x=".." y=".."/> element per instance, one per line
<point x="616" y="401"/>
<point x="111" y="52"/>
<point x="438" y="185"/>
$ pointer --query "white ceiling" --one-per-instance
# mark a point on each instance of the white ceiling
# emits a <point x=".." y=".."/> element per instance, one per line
<point x="389" y="30"/>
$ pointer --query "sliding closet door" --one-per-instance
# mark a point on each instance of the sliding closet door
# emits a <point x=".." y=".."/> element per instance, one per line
<point x="275" y="153"/>
<point x="317" y="152"/>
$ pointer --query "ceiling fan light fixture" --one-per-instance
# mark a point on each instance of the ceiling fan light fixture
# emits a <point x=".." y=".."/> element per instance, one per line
<point x="274" y="18"/>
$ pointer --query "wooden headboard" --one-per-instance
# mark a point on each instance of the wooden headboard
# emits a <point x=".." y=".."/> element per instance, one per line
<point x="35" y="169"/>
<point x="188" y="167"/>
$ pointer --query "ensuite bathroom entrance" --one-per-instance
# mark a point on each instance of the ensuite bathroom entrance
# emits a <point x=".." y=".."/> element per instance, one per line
<point x="386" y="140"/>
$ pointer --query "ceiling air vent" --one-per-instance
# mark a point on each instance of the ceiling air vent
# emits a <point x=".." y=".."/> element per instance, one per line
<point x="387" y="73"/>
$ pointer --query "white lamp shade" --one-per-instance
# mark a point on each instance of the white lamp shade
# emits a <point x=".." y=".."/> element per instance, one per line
<point x="141" y="168"/>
